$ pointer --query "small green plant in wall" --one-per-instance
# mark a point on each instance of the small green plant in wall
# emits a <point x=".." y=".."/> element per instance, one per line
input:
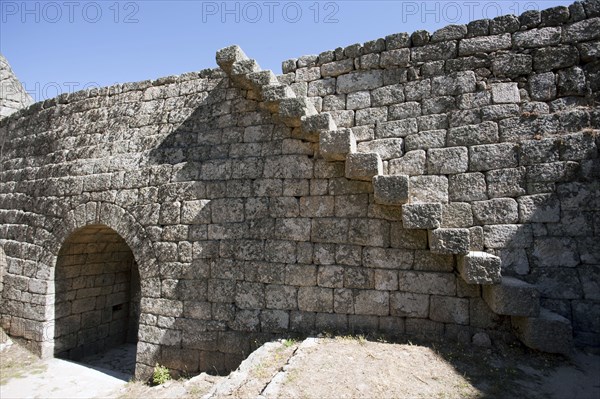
<point x="160" y="375"/>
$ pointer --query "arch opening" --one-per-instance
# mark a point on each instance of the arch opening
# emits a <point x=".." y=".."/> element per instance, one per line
<point x="97" y="296"/>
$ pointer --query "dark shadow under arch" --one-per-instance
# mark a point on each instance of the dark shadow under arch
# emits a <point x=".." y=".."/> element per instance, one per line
<point x="97" y="293"/>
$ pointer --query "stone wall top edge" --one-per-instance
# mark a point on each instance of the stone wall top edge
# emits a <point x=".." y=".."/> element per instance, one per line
<point x="528" y="20"/>
<point x="119" y="88"/>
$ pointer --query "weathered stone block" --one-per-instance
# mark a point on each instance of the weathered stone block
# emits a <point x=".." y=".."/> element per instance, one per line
<point x="407" y="304"/>
<point x="447" y="160"/>
<point x="411" y="164"/>
<point x="386" y="280"/>
<point x="314" y="124"/>
<point x="539" y="208"/>
<point x="260" y="79"/>
<point x="467" y="187"/>
<point x="483" y="133"/>
<point x="369" y="232"/>
<point x="432" y="52"/>
<point x="496" y="211"/>
<point x="485" y="44"/>
<point x="512" y="297"/>
<point x="410" y="109"/>
<point x="315" y="299"/>
<point x="367" y="116"/>
<point x="274" y="320"/>
<point x="547" y="59"/>
<point x="422" y="216"/>
<point x="549" y="332"/>
<point x="508" y="182"/>
<point x="399" y="128"/>
<point x="571" y="82"/>
<point x="292" y="109"/>
<point x="357" y="81"/>
<point x="358" y="100"/>
<point x="542" y="86"/>
<point x="537" y="38"/>
<point x="503" y="24"/>
<point x="363" y="166"/>
<point x="336" y="145"/>
<point x="388" y="95"/>
<point x="397" y="40"/>
<point x="337" y="68"/>
<point x="274" y="93"/>
<point x="582" y="31"/>
<point x="372" y="302"/>
<point x="407" y="239"/>
<point x="449" y="309"/>
<point x="480" y="268"/>
<point x="330" y="276"/>
<point x="426" y="140"/>
<point x="453" y="84"/>
<point x="512" y="65"/>
<point x="417" y="90"/>
<point x="508" y="236"/>
<point x="427" y="283"/>
<point x="387" y="258"/>
<point x="449" y="241"/>
<point x="493" y="156"/>
<point x="503" y="93"/>
<point x="250" y="295"/>
<point x="195" y="212"/>
<point x="398" y="57"/>
<point x="227" y="56"/>
<point x="386" y="148"/>
<point x="426" y="189"/>
<point x="457" y="214"/>
<point x="555" y="252"/>
<point x="391" y="190"/>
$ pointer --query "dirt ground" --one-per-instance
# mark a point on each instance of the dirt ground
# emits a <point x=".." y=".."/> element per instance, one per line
<point x="357" y="367"/>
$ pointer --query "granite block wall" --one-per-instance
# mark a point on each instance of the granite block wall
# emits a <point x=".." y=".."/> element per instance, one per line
<point x="439" y="185"/>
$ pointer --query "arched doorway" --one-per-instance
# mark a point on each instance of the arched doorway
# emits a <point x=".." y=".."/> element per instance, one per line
<point x="97" y="292"/>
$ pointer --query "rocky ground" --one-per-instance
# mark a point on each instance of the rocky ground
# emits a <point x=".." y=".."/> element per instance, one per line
<point x="358" y="367"/>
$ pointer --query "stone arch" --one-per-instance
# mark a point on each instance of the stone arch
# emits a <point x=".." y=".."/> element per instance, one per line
<point x="94" y="215"/>
<point x="119" y="220"/>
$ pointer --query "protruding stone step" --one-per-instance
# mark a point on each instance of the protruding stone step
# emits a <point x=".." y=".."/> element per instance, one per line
<point x="240" y="71"/>
<point x="273" y="94"/>
<point x="513" y="297"/>
<point x="391" y="190"/>
<point x="335" y="145"/>
<point x="449" y="241"/>
<point x="313" y="125"/>
<point x="292" y="109"/>
<point x="549" y="332"/>
<point x="480" y="268"/>
<point x="422" y="216"/>
<point x="260" y="79"/>
<point x="227" y="56"/>
<point x="363" y="166"/>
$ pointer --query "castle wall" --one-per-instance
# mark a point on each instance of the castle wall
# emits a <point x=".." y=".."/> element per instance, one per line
<point x="243" y="231"/>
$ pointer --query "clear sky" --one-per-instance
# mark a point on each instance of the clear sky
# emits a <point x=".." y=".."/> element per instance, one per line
<point x="59" y="46"/>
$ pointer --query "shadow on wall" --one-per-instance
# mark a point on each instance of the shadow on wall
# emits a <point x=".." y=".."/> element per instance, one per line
<point x="539" y="214"/>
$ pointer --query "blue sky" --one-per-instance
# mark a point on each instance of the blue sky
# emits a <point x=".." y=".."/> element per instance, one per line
<point x="58" y="46"/>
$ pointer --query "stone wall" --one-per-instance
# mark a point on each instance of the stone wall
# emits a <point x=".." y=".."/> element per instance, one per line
<point x="439" y="185"/>
<point x="13" y="96"/>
